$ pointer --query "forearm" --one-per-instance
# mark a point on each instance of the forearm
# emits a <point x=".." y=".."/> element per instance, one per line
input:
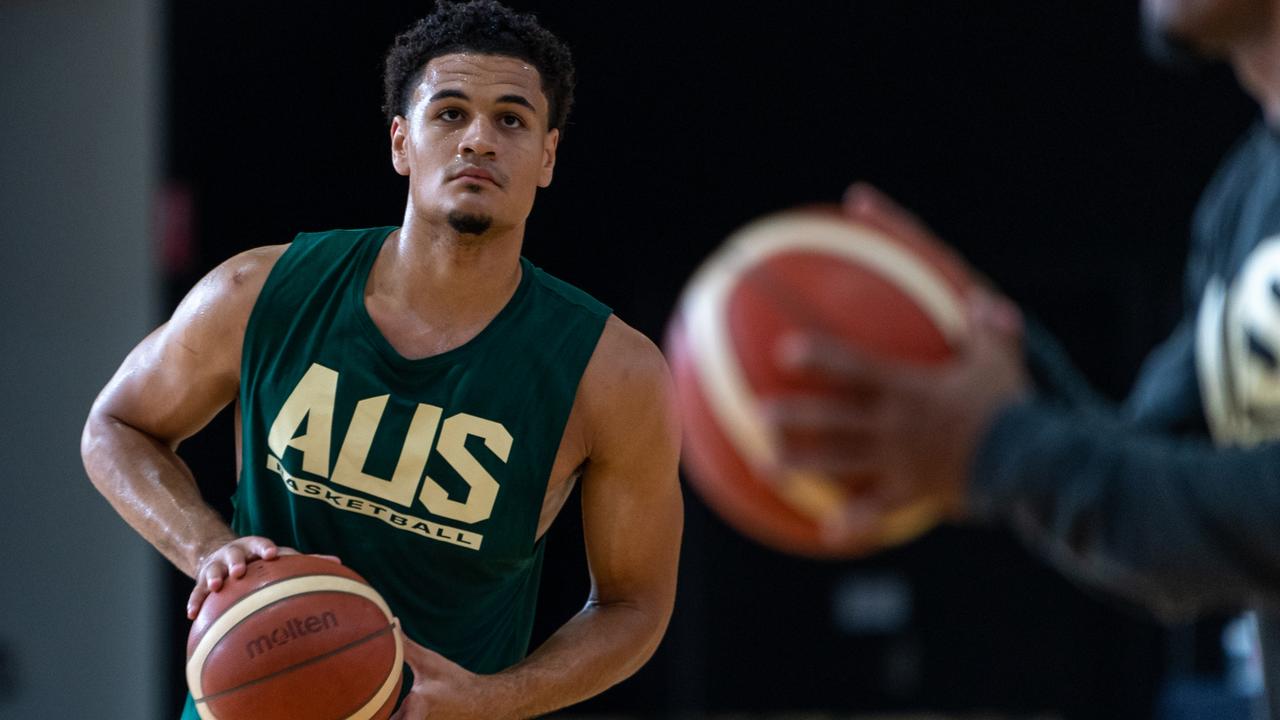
<point x="596" y="649"/>
<point x="153" y="490"/>
<point x="1178" y="525"/>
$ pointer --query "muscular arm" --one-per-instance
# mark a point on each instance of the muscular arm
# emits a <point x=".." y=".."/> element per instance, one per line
<point x="168" y="388"/>
<point x="633" y="517"/>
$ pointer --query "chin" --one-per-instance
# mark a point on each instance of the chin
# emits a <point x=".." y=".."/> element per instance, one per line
<point x="472" y="209"/>
<point x="468" y="224"/>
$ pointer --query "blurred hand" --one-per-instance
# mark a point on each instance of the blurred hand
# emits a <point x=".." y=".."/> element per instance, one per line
<point x="896" y="435"/>
<point x="442" y="689"/>
<point x="230" y="560"/>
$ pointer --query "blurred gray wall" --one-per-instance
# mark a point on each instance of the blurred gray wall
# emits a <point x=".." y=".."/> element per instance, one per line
<point x="79" y="140"/>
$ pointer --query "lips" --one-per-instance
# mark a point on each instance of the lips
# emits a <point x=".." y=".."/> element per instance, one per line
<point x="475" y="173"/>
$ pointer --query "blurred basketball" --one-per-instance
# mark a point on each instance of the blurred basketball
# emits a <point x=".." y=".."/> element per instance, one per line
<point x="296" y="637"/>
<point x="807" y="270"/>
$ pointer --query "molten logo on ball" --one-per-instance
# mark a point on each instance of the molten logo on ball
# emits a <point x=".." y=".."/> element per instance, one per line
<point x="292" y="630"/>
<point x="295" y="637"/>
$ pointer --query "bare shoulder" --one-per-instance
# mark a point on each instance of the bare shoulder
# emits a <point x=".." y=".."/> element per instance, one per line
<point x="627" y="386"/>
<point x="241" y="277"/>
<point x="187" y="369"/>
<point x="256" y="263"/>
<point x="217" y="309"/>
<point x="625" y="360"/>
<point x="222" y="300"/>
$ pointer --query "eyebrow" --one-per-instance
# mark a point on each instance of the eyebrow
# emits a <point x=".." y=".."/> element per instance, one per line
<point x="448" y="94"/>
<point x="518" y="100"/>
<point x="512" y="99"/>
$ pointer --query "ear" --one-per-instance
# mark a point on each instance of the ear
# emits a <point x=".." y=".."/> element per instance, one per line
<point x="400" y="145"/>
<point x="549" y="144"/>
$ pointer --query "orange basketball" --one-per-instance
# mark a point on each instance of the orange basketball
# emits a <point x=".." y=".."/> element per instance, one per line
<point x="807" y="270"/>
<point x="296" y="637"/>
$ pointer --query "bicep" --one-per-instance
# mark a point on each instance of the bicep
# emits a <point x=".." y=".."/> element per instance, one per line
<point x="166" y="389"/>
<point x="185" y="371"/>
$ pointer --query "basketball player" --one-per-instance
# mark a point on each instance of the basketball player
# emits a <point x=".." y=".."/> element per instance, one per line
<point x="1118" y="496"/>
<point x="419" y="400"/>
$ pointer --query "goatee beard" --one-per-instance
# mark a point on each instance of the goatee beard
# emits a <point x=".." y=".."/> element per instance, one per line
<point x="467" y="224"/>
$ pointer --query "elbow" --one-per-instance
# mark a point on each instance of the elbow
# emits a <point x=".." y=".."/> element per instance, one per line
<point x="100" y="432"/>
<point x="655" y="630"/>
<point x="647" y="618"/>
<point x="91" y="438"/>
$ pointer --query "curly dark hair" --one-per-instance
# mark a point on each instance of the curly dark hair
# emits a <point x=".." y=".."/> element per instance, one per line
<point x="482" y="26"/>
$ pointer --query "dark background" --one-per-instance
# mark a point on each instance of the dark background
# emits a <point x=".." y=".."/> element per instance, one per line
<point x="1033" y="136"/>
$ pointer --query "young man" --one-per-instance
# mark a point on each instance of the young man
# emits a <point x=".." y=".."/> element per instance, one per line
<point x="419" y="401"/>
<point x="1121" y="498"/>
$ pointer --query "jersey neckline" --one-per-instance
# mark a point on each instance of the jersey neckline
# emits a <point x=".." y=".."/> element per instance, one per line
<point x="373" y="245"/>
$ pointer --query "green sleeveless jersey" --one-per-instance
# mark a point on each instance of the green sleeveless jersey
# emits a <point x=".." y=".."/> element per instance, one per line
<point x="426" y="476"/>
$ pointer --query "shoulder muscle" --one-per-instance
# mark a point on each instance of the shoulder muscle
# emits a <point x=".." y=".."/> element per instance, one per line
<point x="188" y="369"/>
<point x="627" y="394"/>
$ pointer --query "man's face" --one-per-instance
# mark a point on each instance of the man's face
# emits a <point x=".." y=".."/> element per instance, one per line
<point x="1209" y="27"/>
<point x="475" y="144"/>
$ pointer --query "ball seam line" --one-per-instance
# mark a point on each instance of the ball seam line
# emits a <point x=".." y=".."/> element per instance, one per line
<point x="311" y="660"/>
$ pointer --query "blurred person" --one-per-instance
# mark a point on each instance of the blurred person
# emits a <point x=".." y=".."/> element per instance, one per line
<point x="418" y="401"/>
<point x="1172" y="499"/>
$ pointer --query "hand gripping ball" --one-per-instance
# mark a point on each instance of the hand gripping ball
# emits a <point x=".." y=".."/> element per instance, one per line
<point x="806" y="270"/>
<point x="296" y="637"/>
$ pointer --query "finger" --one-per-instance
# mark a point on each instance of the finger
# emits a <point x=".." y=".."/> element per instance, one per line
<point x="236" y="560"/>
<point x="866" y="204"/>
<point x="425" y="662"/>
<point x="801" y="414"/>
<point x="829" y="359"/>
<point x="263" y="548"/>
<point x="412" y="708"/>
<point x="855" y="528"/>
<point x="837" y="462"/>
<point x="833" y="451"/>
<point x="992" y="312"/>
<point x="413" y="652"/>
<point x="330" y="558"/>
<point x="196" y="600"/>
<point x="214" y="572"/>
<point x="890" y="494"/>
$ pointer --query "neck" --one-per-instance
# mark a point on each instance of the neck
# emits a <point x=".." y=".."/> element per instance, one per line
<point x="444" y="278"/>
<point x="1256" y="61"/>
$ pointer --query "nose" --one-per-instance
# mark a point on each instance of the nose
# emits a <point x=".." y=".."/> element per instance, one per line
<point x="479" y="138"/>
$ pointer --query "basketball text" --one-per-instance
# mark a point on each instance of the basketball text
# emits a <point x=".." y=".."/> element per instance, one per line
<point x="293" y="629"/>
<point x="311" y="404"/>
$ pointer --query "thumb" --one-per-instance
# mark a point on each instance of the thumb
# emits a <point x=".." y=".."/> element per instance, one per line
<point x="413" y="707"/>
<point x="865" y="203"/>
<point x="994" y="319"/>
<point x="854" y="528"/>
<point x="422" y="660"/>
<point x="999" y="312"/>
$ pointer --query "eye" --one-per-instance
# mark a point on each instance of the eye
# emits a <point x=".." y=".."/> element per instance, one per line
<point x="511" y="121"/>
<point x="450" y="114"/>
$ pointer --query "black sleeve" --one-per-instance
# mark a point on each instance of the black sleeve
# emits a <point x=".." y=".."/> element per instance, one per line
<point x="1177" y="525"/>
